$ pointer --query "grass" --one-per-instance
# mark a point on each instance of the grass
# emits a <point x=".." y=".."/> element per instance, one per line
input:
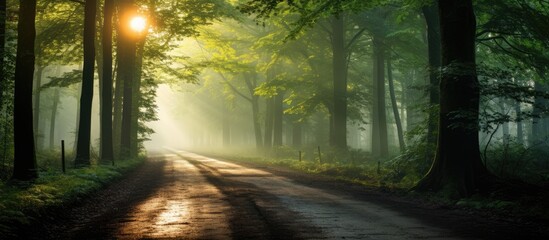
<point x="394" y="177"/>
<point x="364" y="171"/>
<point x="21" y="202"/>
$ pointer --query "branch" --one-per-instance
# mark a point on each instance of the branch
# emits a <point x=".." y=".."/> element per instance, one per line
<point x="355" y="37"/>
<point x="234" y="88"/>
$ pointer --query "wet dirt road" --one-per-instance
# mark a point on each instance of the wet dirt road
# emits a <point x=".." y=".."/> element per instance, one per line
<point x="181" y="195"/>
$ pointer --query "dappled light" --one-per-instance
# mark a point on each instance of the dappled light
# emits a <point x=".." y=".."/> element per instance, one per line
<point x="271" y="119"/>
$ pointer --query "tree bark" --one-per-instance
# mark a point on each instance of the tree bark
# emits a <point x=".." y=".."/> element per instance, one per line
<point x="520" y="133"/>
<point x="269" y="117"/>
<point x="24" y="165"/>
<point x="457" y="169"/>
<point x="297" y="135"/>
<point x="53" y="117"/>
<point x="3" y="18"/>
<point x="86" y="98"/>
<point x="394" y="106"/>
<point x="250" y="83"/>
<point x="539" y="132"/>
<point x="380" y="146"/>
<point x="339" y="138"/>
<point x="136" y="101"/>
<point x="226" y="122"/>
<point x="117" y="103"/>
<point x="107" y="152"/>
<point x="431" y="15"/>
<point x="278" y="123"/>
<point x="39" y="137"/>
<point x="126" y="69"/>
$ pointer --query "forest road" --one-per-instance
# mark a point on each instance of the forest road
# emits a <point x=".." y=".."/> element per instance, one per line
<point x="182" y="195"/>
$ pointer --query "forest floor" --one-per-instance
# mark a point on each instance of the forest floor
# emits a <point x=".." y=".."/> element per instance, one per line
<point x="181" y="195"/>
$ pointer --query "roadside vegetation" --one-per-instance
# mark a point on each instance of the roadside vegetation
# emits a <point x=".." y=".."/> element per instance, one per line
<point x="22" y="202"/>
<point x="520" y="194"/>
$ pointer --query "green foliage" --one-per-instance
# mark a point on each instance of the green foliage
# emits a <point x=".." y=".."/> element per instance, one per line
<point x="21" y="202"/>
<point x="512" y="160"/>
<point x="147" y="109"/>
<point x="354" y="166"/>
<point x="66" y="80"/>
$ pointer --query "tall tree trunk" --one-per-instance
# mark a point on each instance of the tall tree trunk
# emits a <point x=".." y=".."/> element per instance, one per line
<point x="136" y="101"/>
<point x="297" y="134"/>
<point x="380" y="146"/>
<point x="86" y="98"/>
<point x="251" y="84"/>
<point x="268" y="137"/>
<point x="107" y="152"/>
<point x="24" y="165"/>
<point x="3" y="18"/>
<point x="520" y="133"/>
<point x="226" y="122"/>
<point x="394" y="105"/>
<point x="126" y="71"/>
<point x="39" y="137"/>
<point x="457" y="168"/>
<point x="53" y="117"/>
<point x="538" y="128"/>
<point x="278" y="114"/>
<point x="431" y="15"/>
<point x="117" y="104"/>
<point x="339" y="138"/>
<point x="504" y="125"/>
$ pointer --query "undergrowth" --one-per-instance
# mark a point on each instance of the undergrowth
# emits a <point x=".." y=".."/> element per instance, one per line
<point x="405" y="170"/>
<point x="352" y="166"/>
<point x="21" y="202"/>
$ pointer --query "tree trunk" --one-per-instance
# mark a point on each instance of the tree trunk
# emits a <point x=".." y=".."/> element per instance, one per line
<point x="269" y="116"/>
<point x="24" y="164"/>
<point x="538" y="129"/>
<point x="86" y="98"/>
<point x="278" y="114"/>
<point x="457" y="169"/>
<point x="39" y="137"/>
<point x="136" y="101"/>
<point x="297" y="134"/>
<point x="117" y="103"/>
<point x="250" y="83"/>
<point x="53" y="117"/>
<point x="394" y="106"/>
<point x="226" y="122"/>
<point x="107" y="152"/>
<point x="380" y="146"/>
<point x="339" y="59"/>
<point x="3" y="5"/>
<point x="126" y="71"/>
<point x="520" y="133"/>
<point x="431" y="15"/>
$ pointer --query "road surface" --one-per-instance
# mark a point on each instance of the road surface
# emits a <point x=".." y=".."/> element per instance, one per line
<point x="182" y="195"/>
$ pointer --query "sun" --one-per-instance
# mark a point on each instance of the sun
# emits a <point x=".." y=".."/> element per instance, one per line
<point x="138" y="23"/>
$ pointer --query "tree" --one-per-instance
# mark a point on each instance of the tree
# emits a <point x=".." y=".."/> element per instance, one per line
<point x="431" y="15"/>
<point x="380" y="145"/>
<point x="394" y="104"/>
<point x="2" y="48"/>
<point x="339" y="134"/>
<point x="107" y="153"/>
<point x="24" y="167"/>
<point x="457" y="166"/>
<point x="126" y="69"/>
<point x="84" y="125"/>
